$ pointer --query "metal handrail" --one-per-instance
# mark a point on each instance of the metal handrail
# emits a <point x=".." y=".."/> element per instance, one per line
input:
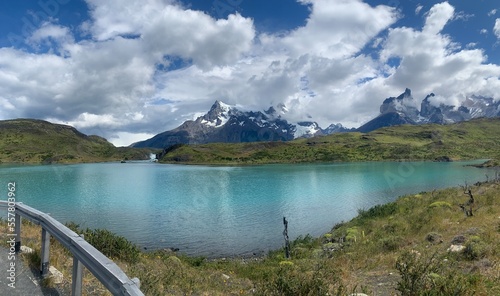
<point x="104" y="269"/>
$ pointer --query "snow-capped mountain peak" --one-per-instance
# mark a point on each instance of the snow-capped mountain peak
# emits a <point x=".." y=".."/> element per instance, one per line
<point x="218" y="115"/>
<point x="230" y="124"/>
<point x="306" y="129"/>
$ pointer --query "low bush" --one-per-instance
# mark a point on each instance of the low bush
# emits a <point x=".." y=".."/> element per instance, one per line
<point x="426" y="275"/>
<point x="378" y="211"/>
<point x="108" y="243"/>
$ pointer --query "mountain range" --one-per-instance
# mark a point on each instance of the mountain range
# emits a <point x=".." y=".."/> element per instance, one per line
<point x="403" y="110"/>
<point x="228" y="124"/>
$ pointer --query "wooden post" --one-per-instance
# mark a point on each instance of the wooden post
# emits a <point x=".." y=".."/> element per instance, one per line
<point x="44" y="265"/>
<point x="77" y="279"/>
<point x="18" y="233"/>
<point x="287" y="242"/>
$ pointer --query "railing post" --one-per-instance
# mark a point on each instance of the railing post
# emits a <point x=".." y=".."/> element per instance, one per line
<point x="44" y="266"/>
<point x="76" y="281"/>
<point x="18" y="233"/>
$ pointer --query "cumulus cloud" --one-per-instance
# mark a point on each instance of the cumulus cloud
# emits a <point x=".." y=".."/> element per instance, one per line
<point x="492" y="12"/>
<point x="171" y="30"/>
<point x="355" y="23"/>
<point x="50" y="35"/>
<point x="496" y="28"/>
<point x="124" y="81"/>
<point x="432" y="62"/>
<point x="437" y="17"/>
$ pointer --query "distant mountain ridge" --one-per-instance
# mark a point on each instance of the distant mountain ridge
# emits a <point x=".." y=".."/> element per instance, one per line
<point x="227" y="124"/>
<point x="403" y="110"/>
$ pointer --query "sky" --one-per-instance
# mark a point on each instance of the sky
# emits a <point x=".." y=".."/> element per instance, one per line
<point x="129" y="69"/>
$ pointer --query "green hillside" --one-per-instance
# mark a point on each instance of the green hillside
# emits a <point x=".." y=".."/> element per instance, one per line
<point x="38" y="141"/>
<point x="466" y="140"/>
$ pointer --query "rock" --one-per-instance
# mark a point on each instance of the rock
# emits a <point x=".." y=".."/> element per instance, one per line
<point x="332" y="247"/>
<point x="27" y="250"/>
<point x="442" y="159"/>
<point x="456" y="248"/>
<point x="434" y="238"/>
<point x="459" y="239"/>
<point x="56" y="275"/>
<point x="473" y="231"/>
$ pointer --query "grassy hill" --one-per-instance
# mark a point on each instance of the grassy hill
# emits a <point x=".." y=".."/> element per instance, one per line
<point x="401" y="248"/>
<point x="38" y="141"/>
<point x="466" y="140"/>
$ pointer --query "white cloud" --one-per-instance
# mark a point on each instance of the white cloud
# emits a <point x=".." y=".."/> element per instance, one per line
<point x="492" y="12"/>
<point x="418" y="9"/>
<point x="171" y="30"/>
<point x="496" y="28"/>
<point x="463" y="16"/>
<point x="121" y="139"/>
<point x="49" y="32"/>
<point x="471" y="45"/>
<point x="432" y="62"/>
<point x="483" y="31"/>
<point x="355" y="23"/>
<point x="437" y="17"/>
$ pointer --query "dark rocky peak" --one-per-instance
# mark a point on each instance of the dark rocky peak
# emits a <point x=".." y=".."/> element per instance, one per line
<point x="426" y="108"/>
<point x="282" y="108"/>
<point x="391" y="100"/>
<point x="406" y="94"/>
<point x="270" y="111"/>
<point x="404" y="104"/>
<point x="337" y="128"/>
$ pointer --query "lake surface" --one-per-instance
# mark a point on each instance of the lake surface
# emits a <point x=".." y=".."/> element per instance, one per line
<point x="222" y="211"/>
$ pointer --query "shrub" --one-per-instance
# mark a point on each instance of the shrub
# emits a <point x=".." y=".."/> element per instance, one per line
<point x="194" y="261"/>
<point x="426" y="276"/>
<point x="352" y="234"/>
<point x="440" y="204"/>
<point x="378" y="211"/>
<point x="414" y="273"/>
<point x="391" y="243"/>
<point x="108" y="243"/>
<point x="290" y="281"/>
<point x="475" y="249"/>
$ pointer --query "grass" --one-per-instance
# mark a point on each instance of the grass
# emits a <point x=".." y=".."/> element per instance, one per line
<point x="37" y="141"/>
<point x="400" y="248"/>
<point x="475" y="139"/>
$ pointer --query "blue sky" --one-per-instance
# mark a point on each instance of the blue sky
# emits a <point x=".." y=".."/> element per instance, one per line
<point x="129" y="69"/>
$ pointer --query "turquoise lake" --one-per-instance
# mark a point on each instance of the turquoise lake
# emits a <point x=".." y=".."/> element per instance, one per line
<point x="222" y="211"/>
